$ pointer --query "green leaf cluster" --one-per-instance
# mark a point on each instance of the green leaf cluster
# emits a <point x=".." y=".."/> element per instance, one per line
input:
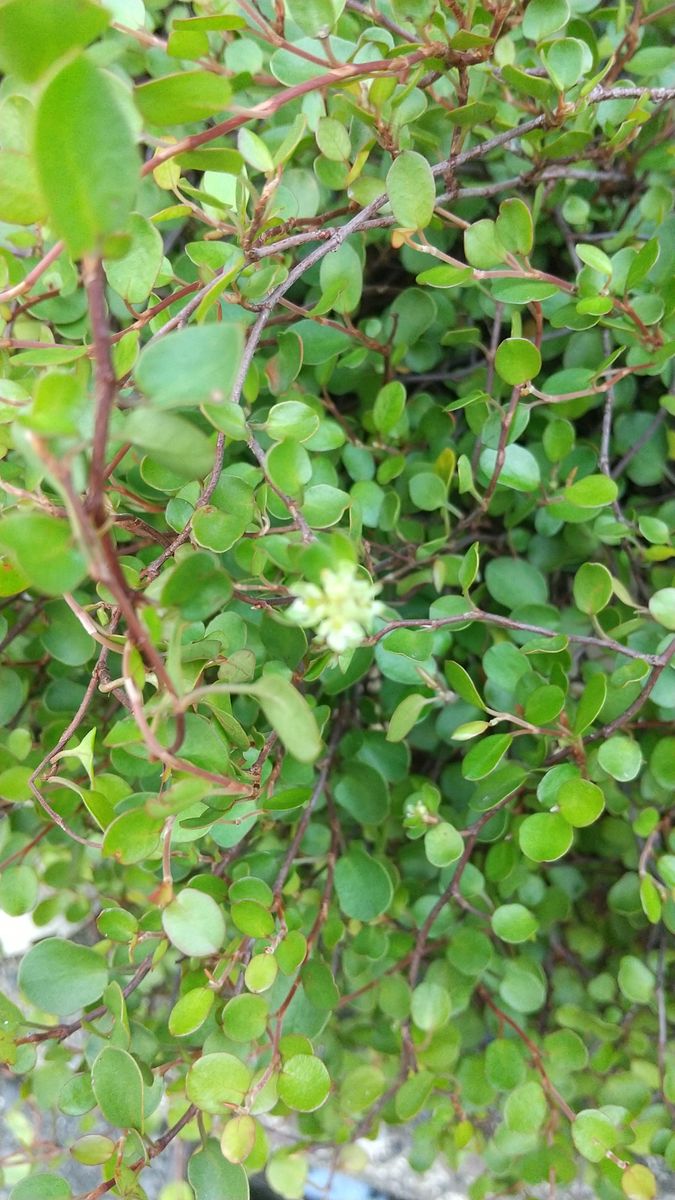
<point x="337" y="588"/>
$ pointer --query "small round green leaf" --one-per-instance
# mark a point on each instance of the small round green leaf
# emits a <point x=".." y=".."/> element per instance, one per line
<point x="526" y="1108"/>
<point x="593" y="491"/>
<point x="238" y="1138"/>
<point x="118" y="1087"/>
<point x="545" y="837"/>
<point x="485" y="756"/>
<point x="482" y="246"/>
<point x="662" y="762"/>
<point x="593" y="1134"/>
<point x="544" y="704"/>
<point x="212" y="1177"/>
<point x="304" y="1083"/>
<point x="363" y="887"/>
<point x="519" y="470"/>
<point x="635" y="980"/>
<point x="190" y="1012"/>
<point x="592" y="587"/>
<point x="514" y="923"/>
<point x="18" y="890"/>
<point x="216" y="1082"/>
<point x="639" y="1183"/>
<point x="544" y="17"/>
<point x="662" y="607"/>
<point x="504" y="1064"/>
<point x="252" y="918"/>
<point x="565" y="60"/>
<point x="581" y="802"/>
<point x="194" y="923"/>
<point x="60" y="976"/>
<point x="261" y="972"/>
<point x="517" y="361"/>
<point x="41" y="1187"/>
<point x="245" y="1018"/>
<point x="411" y="190"/>
<point x="443" y="845"/>
<point x="620" y="757"/>
<point x="430" y="1006"/>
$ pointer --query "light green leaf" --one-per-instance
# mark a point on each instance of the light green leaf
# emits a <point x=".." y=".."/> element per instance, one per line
<point x="118" y="1087"/>
<point x="514" y="581"/>
<point x="485" y="756"/>
<point x="42" y="548"/>
<point x="35" y="35"/>
<point x="217" y="1081"/>
<point x="133" y="837"/>
<point x="254" y="151"/>
<point x="172" y="441"/>
<point x="482" y="245"/>
<point x="520" y="470"/>
<point x="593" y="1134"/>
<point x="86" y="157"/>
<point x="545" y="837"/>
<point x="639" y="1183"/>
<point x="18" y="891"/>
<point x="443" y="844"/>
<point x="591" y="703"/>
<point x="661" y="605"/>
<point x="405" y="716"/>
<point x="134" y="274"/>
<point x="212" y="1177"/>
<point x="304" y="1083"/>
<point x="194" y="923"/>
<point x="245" y="1018"/>
<point x="289" y="715"/>
<point x="21" y="202"/>
<point x="594" y="257"/>
<point x="544" y="17"/>
<point x="60" y="976"/>
<point x="592" y="491"/>
<point x="182" y="98"/>
<point x="430" y="1006"/>
<point x="514" y="923"/>
<point x="445" y="276"/>
<point x="331" y="136"/>
<point x="565" y="61"/>
<point x="42" y="1186"/>
<point x="592" y="587"/>
<point x="315" y="18"/>
<point x="526" y="1108"/>
<point x="292" y="419"/>
<point x="635" y="980"/>
<point x="238" y="1138"/>
<point x="620" y="757"/>
<point x="363" y="887"/>
<point x="517" y="361"/>
<point x="389" y="406"/>
<point x="411" y="190"/>
<point x="191" y="366"/>
<point x="581" y="802"/>
<point x="427" y="490"/>
<point x="514" y="226"/>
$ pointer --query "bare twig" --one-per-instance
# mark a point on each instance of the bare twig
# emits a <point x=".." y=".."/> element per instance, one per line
<point x="485" y="618"/>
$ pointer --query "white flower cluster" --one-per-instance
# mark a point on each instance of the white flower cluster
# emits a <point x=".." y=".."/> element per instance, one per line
<point x="341" y="610"/>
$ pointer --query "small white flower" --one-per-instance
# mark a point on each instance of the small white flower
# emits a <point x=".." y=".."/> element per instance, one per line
<point x="309" y="604"/>
<point x="340" y="635"/>
<point x="341" y="610"/>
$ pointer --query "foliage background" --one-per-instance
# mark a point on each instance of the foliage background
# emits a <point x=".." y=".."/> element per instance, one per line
<point x="337" y="580"/>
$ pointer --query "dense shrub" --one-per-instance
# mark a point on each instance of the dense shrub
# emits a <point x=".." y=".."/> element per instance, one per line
<point x="338" y="585"/>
